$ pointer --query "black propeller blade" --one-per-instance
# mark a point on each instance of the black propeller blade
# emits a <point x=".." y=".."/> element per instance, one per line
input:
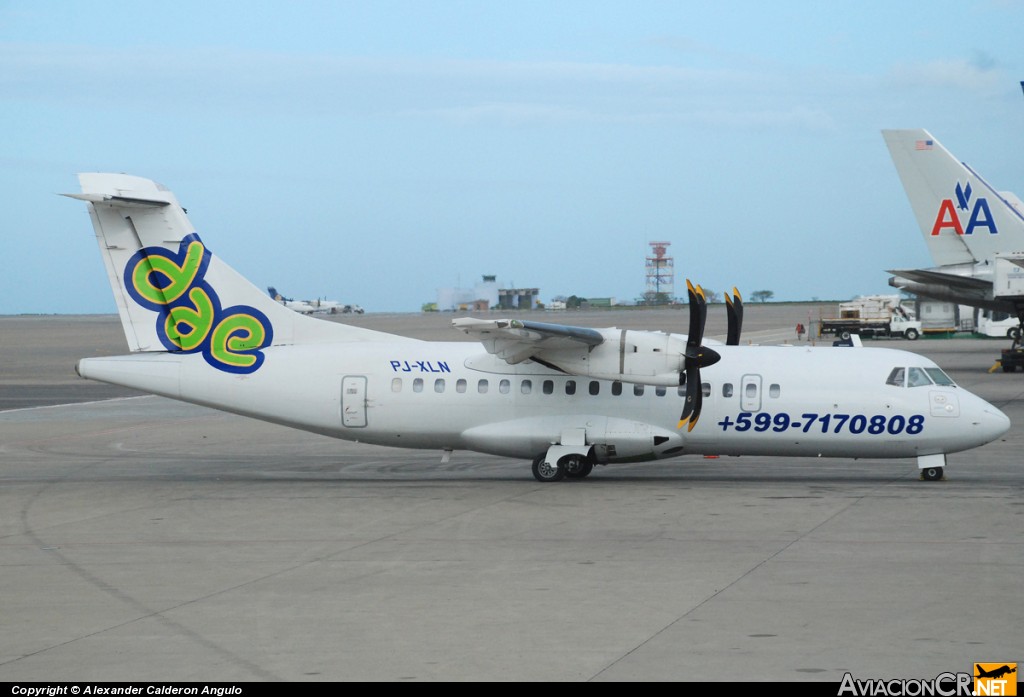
<point x="695" y="357"/>
<point x="734" y="308"/>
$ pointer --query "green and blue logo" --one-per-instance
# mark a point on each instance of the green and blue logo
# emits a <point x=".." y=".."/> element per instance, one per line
<point x="190" y="318"/>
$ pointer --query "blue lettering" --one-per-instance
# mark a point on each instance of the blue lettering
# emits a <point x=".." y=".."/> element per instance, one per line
<point x="977" y="220"/>
<point x="420" y="366"/>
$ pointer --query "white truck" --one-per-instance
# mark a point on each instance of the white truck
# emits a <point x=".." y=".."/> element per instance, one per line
<point x="998" y="324"/>
<point x="872" y="315"/>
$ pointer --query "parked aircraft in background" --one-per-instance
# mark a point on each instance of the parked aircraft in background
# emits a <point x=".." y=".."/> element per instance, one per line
<point x="566" y="397"/>
<point x="298" y="305"/>
<point x="308" y="307"/>
<point x="974" y="233"/>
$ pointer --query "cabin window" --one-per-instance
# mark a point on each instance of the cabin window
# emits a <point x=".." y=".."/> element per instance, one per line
<point x="526" y="387"/>
<point x="727" y="389"/>
<point x="638" y="390"/>
<point x="460" y="386"/>
<point x="774" y="390"/>
<point x="417" y="385"/>
<point x="916" y="377"/>
<point x="439" y="385"/>
<point x="751" y="389"/>
<point x="570" y="387"/>
<point x="595" y="387"/>
<point x="660" y="390"/>
<point x="396" y="385"/>
<point x="549" y="386"/>
<point x="504" y="386"/>
<point x="705" y="388"/>
<point x="897" y="377"/>
<point x="482" y="386"/>
<point x="616" y="388"/>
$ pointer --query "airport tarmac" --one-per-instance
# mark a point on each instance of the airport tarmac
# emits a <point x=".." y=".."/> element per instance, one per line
<point x="143" y="539"/>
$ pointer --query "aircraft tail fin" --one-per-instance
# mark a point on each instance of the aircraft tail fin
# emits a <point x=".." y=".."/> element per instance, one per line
<point x="173" y="294"/>
<point x="962" y="218"/>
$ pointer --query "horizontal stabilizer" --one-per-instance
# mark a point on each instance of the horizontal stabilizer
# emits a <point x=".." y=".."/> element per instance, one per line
<point x="933" y="276"/>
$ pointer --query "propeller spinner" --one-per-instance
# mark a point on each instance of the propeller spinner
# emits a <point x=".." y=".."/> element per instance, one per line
<point x="695" y="357"/>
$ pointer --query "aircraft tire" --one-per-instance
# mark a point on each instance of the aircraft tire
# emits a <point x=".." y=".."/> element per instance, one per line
<point x="931" y="474"/>
<point x="576" y="467"/>
<point x="547" y="473"/>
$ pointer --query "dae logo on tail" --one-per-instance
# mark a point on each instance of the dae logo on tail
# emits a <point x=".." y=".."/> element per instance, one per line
<point x="947" y="217"/>
<point x="190" y="318"/>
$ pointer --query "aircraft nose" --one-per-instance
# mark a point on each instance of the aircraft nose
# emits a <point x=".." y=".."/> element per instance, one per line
<point x="991" y="422"/>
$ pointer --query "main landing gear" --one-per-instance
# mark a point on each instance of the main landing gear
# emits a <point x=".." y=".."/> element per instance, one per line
<point x="931" y="474"/>
<point x="572" y="466"/>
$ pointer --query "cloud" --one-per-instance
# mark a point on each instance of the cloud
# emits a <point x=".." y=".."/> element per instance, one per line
<point x="978" y="75"/>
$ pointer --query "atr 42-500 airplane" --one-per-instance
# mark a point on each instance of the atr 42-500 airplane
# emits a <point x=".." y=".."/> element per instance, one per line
<point x="974" y="233"/>
<point x="565" y="397"/>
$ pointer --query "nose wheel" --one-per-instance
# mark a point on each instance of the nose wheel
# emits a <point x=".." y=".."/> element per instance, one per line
<point x="931" y="474"/>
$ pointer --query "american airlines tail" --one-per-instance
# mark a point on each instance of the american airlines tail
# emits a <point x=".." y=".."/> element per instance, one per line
<point x="962" y="218"/>
<point x="174" y="295"/>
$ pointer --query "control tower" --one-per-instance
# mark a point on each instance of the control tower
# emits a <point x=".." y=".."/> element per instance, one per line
<point x="661" y="273"/>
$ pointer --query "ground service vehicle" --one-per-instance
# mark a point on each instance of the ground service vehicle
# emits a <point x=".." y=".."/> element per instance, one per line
<point x="872" y="315"/>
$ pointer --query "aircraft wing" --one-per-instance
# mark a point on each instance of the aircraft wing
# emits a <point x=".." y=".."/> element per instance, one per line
<point x="948" y="279"/>
<point x="515" y="340"/>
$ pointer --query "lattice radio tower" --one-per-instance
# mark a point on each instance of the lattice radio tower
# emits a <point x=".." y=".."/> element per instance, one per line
<point x="661" y="273"/>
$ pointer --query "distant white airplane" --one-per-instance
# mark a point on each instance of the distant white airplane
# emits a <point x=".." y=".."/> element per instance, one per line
<point x="291" y="303"/>
<point x="568" y="398"/>
<point x="975" y="234"/>
<point x="308" y="307"/>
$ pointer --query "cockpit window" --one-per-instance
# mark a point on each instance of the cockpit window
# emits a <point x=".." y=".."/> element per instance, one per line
<point x="916" y="377"/>
<point x="897" y="377"/>
<point x="940" y="377"/>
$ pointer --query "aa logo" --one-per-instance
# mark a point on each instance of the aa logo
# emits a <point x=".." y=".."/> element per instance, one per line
<point x="948" y="218"/>
<point x="190" y="317"/>
<point x="995" y="679"/>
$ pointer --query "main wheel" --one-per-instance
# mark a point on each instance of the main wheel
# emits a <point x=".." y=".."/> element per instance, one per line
<point x="576" y="466"/>
<point x="931" y="474"/>
<point x="544" y="472"/>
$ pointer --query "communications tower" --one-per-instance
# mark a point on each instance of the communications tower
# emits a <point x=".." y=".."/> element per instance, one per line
<point x="661" y="274"/>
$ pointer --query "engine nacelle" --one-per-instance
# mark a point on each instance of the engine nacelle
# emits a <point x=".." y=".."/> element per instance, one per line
<point x="649" y="358"/>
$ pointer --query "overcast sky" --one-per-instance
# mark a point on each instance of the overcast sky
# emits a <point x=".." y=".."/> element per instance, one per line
<point x="372" y="152"/>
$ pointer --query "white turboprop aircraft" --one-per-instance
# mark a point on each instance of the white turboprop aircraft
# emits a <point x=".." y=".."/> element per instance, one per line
<point x="974" y="233"/>
<point x="308" y="307"/>
<point x="566" y="397"/>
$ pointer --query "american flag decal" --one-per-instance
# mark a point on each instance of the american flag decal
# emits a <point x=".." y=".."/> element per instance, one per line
<point x="923" y="144"/>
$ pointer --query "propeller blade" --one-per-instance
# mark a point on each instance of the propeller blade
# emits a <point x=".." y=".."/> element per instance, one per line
<point x="734" y="308"/>
<point x="692" y="402"/>
<point x="698" y="316"/>
<point x="694" y="358"/>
